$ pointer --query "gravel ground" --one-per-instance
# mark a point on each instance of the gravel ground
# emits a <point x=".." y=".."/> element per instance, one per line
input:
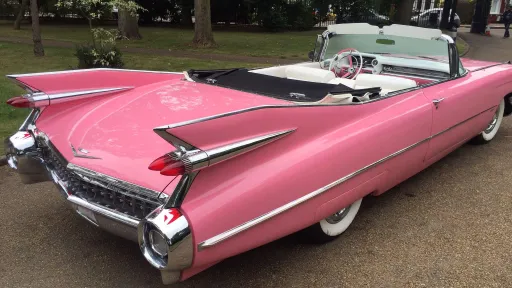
<point x="448" y="226"/>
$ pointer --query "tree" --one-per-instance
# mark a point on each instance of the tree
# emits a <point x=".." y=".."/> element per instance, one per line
<point x="128" y="24"/>
<point x="36" y="30"/>
<point x="203" y="35"/>
<point x="21" y="13"/>
<point x="404" y="12"/>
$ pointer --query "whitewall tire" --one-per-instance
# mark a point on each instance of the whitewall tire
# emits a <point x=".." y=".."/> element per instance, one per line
<point x="333" y="226"/>
<point x="490" y="132"/>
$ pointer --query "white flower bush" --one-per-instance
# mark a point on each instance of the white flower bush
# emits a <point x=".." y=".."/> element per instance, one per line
<point x="103" y="51"/>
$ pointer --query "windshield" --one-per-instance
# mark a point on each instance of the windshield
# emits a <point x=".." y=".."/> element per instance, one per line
<point x="394" y="46"/>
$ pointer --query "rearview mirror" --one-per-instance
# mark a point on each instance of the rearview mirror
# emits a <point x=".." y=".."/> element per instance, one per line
<point x="311" y="55"/>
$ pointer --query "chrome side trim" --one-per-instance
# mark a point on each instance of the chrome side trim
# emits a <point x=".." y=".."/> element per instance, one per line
<point x="251" y="223"/>
<point x="13" y="76"/>
<point x="219" y="154"/>
<point x="159" y="129"/>
<point x="175" y="141"/>
<point x="232" y="232"/>
<point x="195" y="160"/>
<point x="85" y="92"/>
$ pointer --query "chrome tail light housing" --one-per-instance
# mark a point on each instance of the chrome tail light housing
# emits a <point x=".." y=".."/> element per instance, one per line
<point x="165" y="240"/>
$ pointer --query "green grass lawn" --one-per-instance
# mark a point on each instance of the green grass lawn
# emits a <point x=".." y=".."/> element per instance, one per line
<point x="292" y="45"/>
<point x="18" y="58"/>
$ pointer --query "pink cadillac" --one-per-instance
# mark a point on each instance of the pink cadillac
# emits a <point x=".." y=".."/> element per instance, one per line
<point x="206" y="164"/>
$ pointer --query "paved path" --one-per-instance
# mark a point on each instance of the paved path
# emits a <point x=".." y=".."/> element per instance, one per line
<point x="493" y="48"/>
<point x="163" y="52"/>
<point x="449" y="226"/>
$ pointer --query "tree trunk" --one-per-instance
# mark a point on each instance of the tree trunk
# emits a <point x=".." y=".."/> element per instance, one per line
<point x="21" y="13"/>
<point x="404" y="12"/>
<point x="128" y="25"/>
<point x="203" y="35"/>
<point x="445" y="15"/>
<point x="36" y="30"/>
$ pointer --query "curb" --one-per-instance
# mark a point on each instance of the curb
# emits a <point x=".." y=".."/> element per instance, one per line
<point x="490" y="27"/>
<point x="466" y="46"/>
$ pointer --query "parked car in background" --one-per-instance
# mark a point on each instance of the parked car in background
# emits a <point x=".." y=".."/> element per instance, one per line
<point x="432" y="18"/>
<point x="369" y="16"/>
<point x="202" y="165"/>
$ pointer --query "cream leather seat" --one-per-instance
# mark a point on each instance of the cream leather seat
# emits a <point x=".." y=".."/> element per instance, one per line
<point x="297" y="72"/>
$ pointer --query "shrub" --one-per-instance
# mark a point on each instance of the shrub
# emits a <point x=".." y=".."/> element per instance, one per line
<point x="102" y="53"/>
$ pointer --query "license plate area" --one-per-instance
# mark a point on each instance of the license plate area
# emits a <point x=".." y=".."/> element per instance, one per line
<point x="87" y="214"/>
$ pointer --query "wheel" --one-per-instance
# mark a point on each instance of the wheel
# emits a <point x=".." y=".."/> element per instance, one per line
<point x="331" y="227"/>
<point x="488" y="134"/>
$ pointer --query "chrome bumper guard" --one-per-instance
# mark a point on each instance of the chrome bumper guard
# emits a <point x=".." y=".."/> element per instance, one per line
<point x="24" y="156"/>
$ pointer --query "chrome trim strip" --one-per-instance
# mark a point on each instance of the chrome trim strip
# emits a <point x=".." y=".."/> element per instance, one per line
<point x="173" y="140"/>
<point x="112" y="214"/>
<point x="207" y="118"/>
<point x="219" y="154"/>
<point x="249" y="224"/>
<point x="195" y="160"/>
<point x="490" y="66"/>
<point x="14" y="76"/>
<point x="100" y="179"/>
<point x="84" y="92"/>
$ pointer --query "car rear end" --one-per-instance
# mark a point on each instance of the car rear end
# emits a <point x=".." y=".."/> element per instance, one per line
<point x="91" y="134"/>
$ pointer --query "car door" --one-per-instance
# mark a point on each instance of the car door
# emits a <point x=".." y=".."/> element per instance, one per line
<point x="459" y="111"/>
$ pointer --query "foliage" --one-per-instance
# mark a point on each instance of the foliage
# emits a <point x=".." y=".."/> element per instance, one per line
<point x="300" y="16"/>
<point x="273" y="17"/>
<point x="95" y="9"/>
<point x="102" y="53"/>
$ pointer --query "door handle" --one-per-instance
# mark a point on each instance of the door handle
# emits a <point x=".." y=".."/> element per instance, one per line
<point x="437" y="101"/>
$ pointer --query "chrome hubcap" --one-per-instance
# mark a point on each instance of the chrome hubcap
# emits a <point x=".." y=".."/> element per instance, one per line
<point x="493" y="122"/>
<point x="338" y="216"/>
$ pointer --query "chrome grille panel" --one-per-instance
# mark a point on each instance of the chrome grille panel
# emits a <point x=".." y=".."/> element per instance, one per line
<point x="103" y="190"/>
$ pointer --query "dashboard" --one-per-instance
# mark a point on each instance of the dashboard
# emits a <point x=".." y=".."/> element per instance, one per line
<point x="412" y="67"/>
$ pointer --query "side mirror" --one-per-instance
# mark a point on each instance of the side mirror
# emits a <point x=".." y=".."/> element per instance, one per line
<point x="311" y="55"/>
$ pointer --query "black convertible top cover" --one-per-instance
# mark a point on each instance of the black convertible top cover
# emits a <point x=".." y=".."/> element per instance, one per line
<point x="288" y="89"/>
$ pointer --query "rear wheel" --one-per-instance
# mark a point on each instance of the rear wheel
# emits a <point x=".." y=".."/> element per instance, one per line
<point x="333" y="226"/>
<point x="488" y="134"/>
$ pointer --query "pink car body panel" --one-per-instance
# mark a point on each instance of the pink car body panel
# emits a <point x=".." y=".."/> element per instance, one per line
<point x="118" y="127"/>
<point x="373" y="146"/>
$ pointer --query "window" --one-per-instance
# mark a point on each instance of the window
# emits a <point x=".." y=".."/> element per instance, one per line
<point x="495" y="6"/>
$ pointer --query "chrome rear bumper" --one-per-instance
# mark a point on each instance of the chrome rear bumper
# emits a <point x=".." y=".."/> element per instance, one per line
<point x="25" y="155"/>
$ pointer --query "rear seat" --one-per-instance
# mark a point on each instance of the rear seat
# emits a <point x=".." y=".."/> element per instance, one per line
<point x="303" y="73"/>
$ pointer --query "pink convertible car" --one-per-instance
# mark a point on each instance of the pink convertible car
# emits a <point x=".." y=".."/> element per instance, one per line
<point x="203" y="165"/>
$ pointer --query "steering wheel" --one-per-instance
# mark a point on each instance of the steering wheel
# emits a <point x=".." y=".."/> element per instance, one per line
<point x="343" y="66"/>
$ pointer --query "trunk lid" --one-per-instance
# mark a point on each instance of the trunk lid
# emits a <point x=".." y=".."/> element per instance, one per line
<point x="118" y="128"/>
